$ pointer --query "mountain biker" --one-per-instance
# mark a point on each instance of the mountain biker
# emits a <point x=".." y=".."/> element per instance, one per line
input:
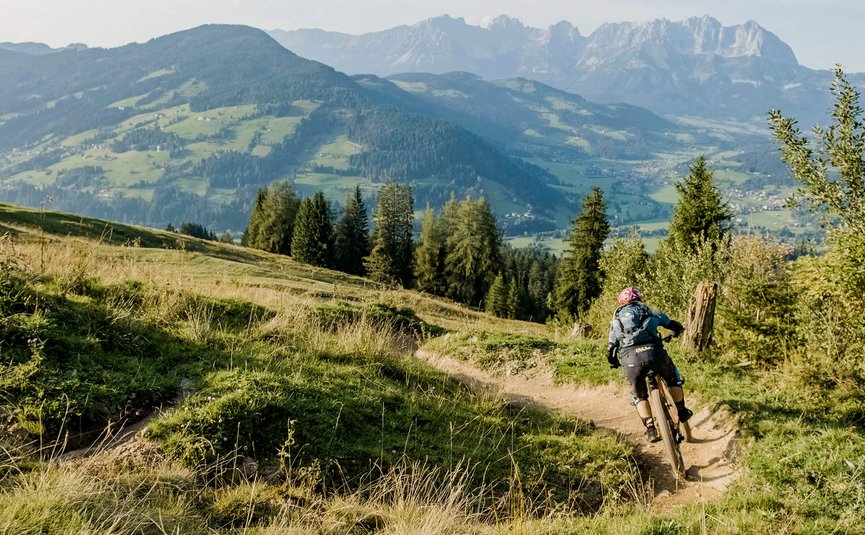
<point x="635" y="339"/>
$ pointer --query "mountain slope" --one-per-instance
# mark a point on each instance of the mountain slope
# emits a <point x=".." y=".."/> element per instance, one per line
<point x="189" y="125"/>
<point x="692" y="67"/>
<point x="535" y="119"/>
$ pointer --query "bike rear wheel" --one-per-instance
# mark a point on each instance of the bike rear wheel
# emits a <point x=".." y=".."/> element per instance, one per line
<point x="665" y="425"/>
<point x="684" y="427"/>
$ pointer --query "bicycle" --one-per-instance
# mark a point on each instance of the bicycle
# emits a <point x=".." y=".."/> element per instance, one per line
<point x="673" y="432"/>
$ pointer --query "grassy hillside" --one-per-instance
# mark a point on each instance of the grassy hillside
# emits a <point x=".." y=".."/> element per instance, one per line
<point x="305" y="374"/>
<point x="293" y="405"/>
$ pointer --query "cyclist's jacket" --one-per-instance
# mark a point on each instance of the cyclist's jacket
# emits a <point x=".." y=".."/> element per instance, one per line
<point x="637" y="324"/>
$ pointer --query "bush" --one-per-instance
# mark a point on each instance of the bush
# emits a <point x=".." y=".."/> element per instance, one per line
<point x="756" y="306"/>
<point x="673" y="273"/>
<point x="829" y="316"/>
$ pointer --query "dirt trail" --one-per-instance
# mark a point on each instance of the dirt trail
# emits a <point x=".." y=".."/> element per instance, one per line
<point x="707" y="459"/>
<point x="122" y="433"/>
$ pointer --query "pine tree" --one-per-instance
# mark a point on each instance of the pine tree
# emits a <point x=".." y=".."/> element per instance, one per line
<point x="250" y="234"/>
<point x="830" y="165"/>
<point x="430" y="256"/>
<point x="351" y="236"/>
<point x="700" y="215"/>
<point x="473" y="252"/>
<point x="512" y="302"/>
<point x="312" y="241"/>
<point x="196" y="230"/>
<point x="391" y="260"/>
<point x="579" y="279"/>
<point x="533" y="270"/>
<point x="271" y="223"/>
<point x="497" y="297"/>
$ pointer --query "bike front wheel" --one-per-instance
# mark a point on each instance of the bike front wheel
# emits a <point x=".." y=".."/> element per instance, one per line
<point x="664" y="423"/>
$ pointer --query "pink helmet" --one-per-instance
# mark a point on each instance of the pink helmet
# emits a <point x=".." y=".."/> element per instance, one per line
<point x="628" y="295"/>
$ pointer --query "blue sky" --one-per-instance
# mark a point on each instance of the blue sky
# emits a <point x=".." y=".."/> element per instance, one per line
<point x="821" y="33"/>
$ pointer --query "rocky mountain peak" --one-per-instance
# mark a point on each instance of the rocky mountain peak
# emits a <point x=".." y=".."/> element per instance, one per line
<point x="505" y="22"/>
<point x="694" y="36"/>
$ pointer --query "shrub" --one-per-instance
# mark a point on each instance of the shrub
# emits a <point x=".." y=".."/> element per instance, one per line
<point x="756" y="308"/>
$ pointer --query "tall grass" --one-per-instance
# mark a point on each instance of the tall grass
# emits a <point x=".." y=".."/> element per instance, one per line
<point x="92" y="497"/>
<point x="107" y="494"/>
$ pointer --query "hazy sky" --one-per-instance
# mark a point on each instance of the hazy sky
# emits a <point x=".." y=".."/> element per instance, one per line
<point x="821" y="33"/>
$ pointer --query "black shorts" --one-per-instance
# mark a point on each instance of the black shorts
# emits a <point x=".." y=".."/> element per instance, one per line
<point x="637" y="361"/>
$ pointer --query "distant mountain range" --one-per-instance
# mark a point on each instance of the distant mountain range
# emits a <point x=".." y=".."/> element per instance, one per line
<point x="38" y="49"/>
<point x="693" y="67"/>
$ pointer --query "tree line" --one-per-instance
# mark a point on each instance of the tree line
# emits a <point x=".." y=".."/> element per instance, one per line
<point x="459" y="252"/>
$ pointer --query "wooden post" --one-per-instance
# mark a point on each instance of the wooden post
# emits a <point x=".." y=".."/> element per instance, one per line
<point x="701" y="316"/>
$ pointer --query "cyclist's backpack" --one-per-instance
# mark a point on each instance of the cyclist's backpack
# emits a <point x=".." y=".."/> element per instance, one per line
<point x="634" y="321"/>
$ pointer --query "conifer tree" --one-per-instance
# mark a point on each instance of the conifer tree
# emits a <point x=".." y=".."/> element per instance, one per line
<point x="533" y="270"/>
<point x="312" y="241"/>
<point x="700" y="215"/>
<point x="830" y="165"/>
<point x="392" y="260"/>
<point x="351" y="236"/>
<point x="512" y="302"/>
<point x="579" y="278"/>
<point x="250" y="234"/>
<point x="430" y="256"/>
<point x="271" y="223"/>
<point x="473" y="252"/>
<point x="497" y="297"/>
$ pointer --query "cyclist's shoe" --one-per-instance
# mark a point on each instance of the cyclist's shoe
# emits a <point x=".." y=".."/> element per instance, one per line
<point x="685" y="415"/>
<point x="652" y="434"/>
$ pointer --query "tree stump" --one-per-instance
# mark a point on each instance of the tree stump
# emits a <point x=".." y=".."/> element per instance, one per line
<point x="701" y="316"/>
<point x="581" y="330"/>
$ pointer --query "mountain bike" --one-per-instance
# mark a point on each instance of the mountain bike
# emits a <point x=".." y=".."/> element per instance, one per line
<point x="673" y="432"/>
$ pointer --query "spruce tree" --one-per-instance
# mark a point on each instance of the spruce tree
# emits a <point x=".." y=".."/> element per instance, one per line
<point x="391" y="260"/>
<point x="579" y="278"/>
<point x="430" y="256"/>
<point x="533" y="270"/>
<point x="312" y="241"/>
<point x="351" y="236"/>
<point x="700" y="215"/>
<point x="497" y="297"/>
<point x="473" y="252"/>
<point x="271" y="224"/>
<point x="830" y="165"/>
<point x="512" y="302"/>
<point x="250" y="234"/>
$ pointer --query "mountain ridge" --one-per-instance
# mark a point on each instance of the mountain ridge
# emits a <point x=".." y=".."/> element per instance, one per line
<point x="694" y="67"/>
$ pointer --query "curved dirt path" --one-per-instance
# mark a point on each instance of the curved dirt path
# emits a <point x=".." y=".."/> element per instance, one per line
<point x="708" y="458"/>
<point x="118" y="434"/>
